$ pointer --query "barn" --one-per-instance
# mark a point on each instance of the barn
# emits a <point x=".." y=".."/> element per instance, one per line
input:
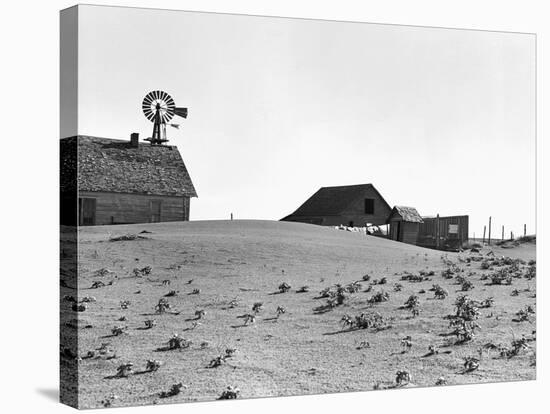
<point x="404" y="224"/>
<point x="350" y="205"/>
<point x="113" y="181"/>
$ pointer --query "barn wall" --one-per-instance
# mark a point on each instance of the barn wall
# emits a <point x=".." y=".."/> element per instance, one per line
<point x="409" y="232"/>
<point x="355" y="213"/>
<point x="356" y="210"/>
<point x="358" y="221"/>
<point x="120" y="208"/>
<point x="307" y="219"/>
<point x="394" y="229"/>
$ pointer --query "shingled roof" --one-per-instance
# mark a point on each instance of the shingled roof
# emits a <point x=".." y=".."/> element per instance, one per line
<point x="113" y="165"/>
<point x="407" y="214"/>
<point x="331" y="201"/>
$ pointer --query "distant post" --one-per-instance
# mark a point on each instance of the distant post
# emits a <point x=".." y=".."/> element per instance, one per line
<point x="231" y="216"/>
<point x="502" y="233"/>
<point x="511" y="235"/>
<point x="524" y="230"/>
<point x="437" y="232"/>
<point x="484" y="230"/>
<point x="489" y="239"/>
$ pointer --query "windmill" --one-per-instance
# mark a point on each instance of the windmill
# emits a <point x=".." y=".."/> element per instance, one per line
<point x="159" y="108"/>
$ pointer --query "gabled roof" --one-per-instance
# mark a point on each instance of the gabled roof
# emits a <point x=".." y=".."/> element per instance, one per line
<point x="331" y="201"/>
<point x="113" y="165"/>
<point x="407" y="214"/>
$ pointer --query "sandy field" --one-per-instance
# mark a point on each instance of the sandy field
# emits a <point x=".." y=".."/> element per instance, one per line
<point x="224" y="267"/>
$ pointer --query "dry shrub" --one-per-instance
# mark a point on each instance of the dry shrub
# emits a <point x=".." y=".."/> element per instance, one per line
<point x="379" y="297"/>
<point x="230" y="393"/>
<point x="402" y="378"/>
<point x="152" y="365"/>
<point x="177" y="342"/>
<point x="284" y="287"/>
<point x="175" y="389"/>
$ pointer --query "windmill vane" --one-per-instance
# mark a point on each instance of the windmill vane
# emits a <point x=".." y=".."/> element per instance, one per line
<point x="159" y="108"/>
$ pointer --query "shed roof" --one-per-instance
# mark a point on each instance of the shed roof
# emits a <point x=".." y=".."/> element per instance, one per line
<point x="331" y="201"/>
<point x="113" y="165"/>
<point x="407" y="214"/>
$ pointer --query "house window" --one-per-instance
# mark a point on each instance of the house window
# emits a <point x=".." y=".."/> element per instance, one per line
<point x="369" y="205"/>
<point x="155" y="210"/>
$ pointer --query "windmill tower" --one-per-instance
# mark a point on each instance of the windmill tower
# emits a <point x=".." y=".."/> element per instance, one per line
<point x="159" y="108"/>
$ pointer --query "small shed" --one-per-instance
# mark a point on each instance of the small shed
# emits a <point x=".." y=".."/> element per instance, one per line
<point x="404" y="224"/>
<point x="350" y="205"/>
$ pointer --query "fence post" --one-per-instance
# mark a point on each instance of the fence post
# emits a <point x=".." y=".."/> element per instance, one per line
<point x="437" y="232"/>
<point x="489" y="239"/>
<point x="511" y="235"/>
<point x="484" y="229"/>
<point x="524" y="230"/>
<point x="502" y="233"/>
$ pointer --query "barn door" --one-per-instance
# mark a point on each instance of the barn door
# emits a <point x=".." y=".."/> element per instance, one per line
<point x="155" y="211"/>
<point x="399" y="231"/>
<point x="86" y="211"/>
<point x="395" y="230"/>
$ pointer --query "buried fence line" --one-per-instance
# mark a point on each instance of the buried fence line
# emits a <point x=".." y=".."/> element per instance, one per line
<point x="487" y="238"/>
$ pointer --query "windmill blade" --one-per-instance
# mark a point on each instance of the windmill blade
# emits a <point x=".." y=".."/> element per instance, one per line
<point x="146" y="108"/>
<point x="148" y="113"/>
<point x="170" y="102"/>
<point x="166" y="117"/>
<point x="148" y="98"/>
<point x="181" y="112"/>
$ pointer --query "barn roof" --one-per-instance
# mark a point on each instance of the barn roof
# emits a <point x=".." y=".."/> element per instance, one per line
<point x="407" y="214"/>
<point x="113" y="165"/>
<point x="331" y="201"/>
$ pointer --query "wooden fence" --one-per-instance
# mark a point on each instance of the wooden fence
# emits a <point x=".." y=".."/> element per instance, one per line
<point x="449" y="232"/>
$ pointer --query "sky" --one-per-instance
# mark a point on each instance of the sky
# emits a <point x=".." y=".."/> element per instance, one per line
<point x="439" y="119"/>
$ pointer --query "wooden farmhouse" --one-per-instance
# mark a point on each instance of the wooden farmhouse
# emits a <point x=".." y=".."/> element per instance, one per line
<point x="404" y="224"/>
<point x="350" y="205"/>
<point x="110" y="181"/>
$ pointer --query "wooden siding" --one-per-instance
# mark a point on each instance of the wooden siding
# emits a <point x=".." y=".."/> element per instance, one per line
<point x="122" y="208"/>
<point x="409" y="232"/>
<point x="428" y="232"/>
<point x="403" y="231"/>
<point x="353" y="213"/>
